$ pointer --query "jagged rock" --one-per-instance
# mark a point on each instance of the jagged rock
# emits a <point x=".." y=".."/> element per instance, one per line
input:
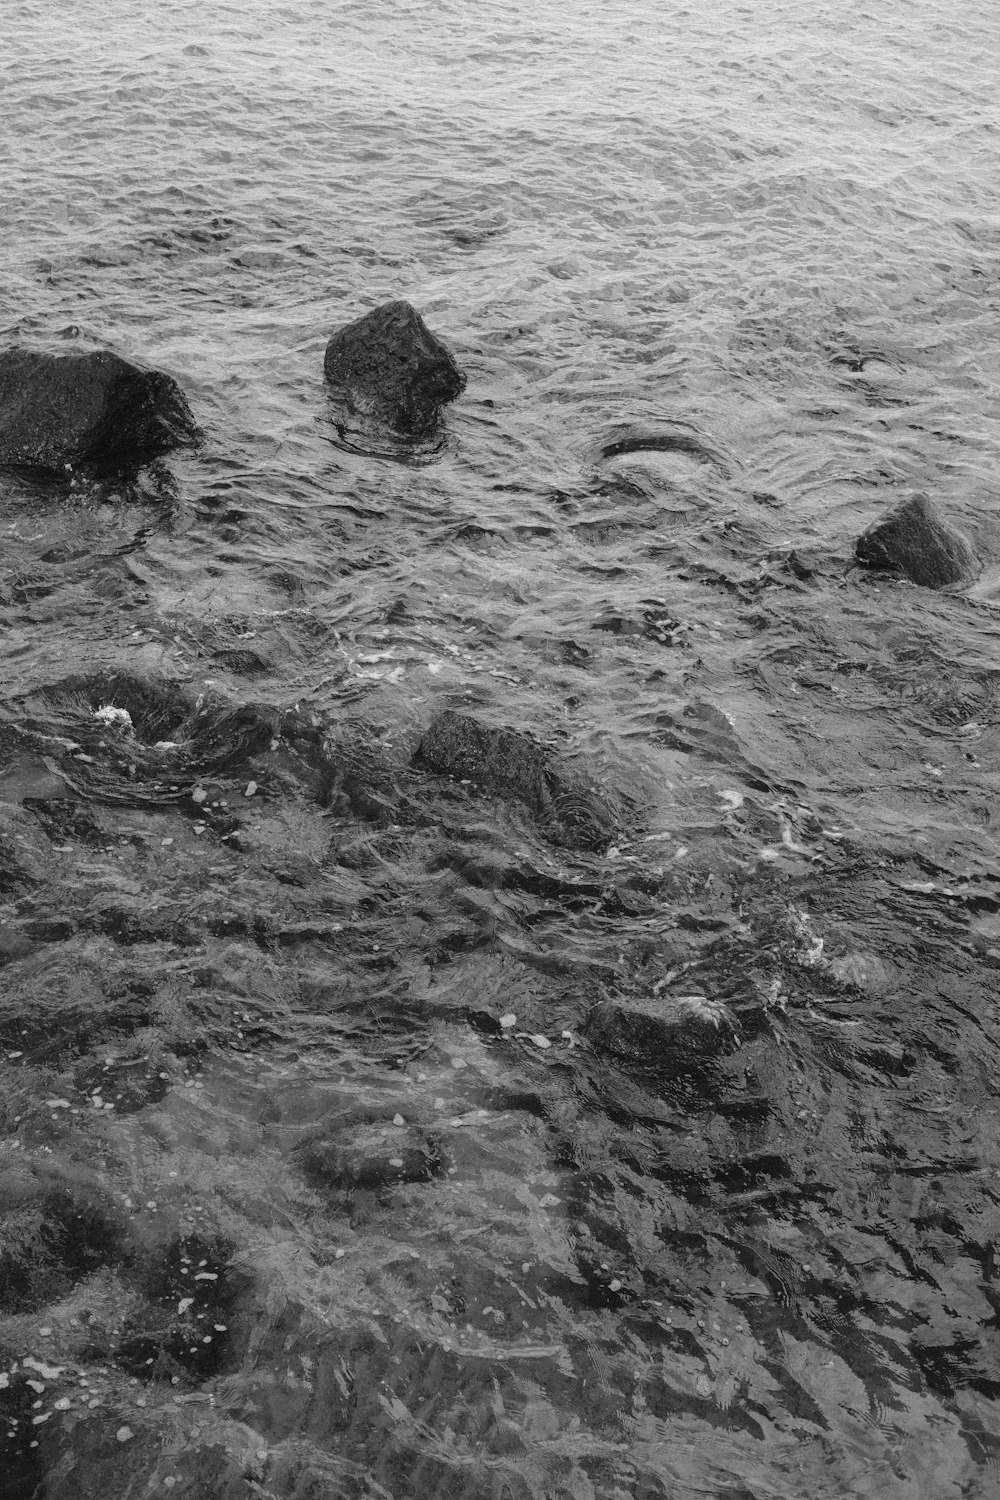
<point x="914" y="539"/>
<point x="510" y="764"/>
<point x="65" y="409"/>
<point x="662" y="1032"/>
<point x="388" y="364"/>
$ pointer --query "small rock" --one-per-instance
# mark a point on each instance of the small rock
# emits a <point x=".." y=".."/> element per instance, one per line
<point x="124" y="1434"/>
<point x="915" y="540"/>
<point x="389" y="364"/>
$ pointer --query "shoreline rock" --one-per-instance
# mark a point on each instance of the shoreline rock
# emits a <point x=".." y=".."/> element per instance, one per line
<point x="65" y="409"/>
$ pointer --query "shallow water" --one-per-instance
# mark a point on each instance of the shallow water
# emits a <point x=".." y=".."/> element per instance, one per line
<point x="725" y="285"/>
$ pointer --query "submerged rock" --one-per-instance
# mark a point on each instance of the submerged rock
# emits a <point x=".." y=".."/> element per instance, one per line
<point x="374" y="1155"/>
<point x="510" y="764"/>
<point x="390" y="366"/>
<point x="501" y="761"/>
<point x="664" y="1032"/>
<point x="60" y="409"/>
<point x="915" y="540"/>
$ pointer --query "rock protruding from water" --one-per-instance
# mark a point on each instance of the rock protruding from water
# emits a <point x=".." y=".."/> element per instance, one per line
<point x="65" y="409"/>
<point x="915" y="540"/>
<point x="663" y="1034"/>
<point x="511" y="765"/>
<point x="389" y="367"/>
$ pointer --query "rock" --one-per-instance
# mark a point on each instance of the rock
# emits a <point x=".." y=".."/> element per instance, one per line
<point x="663" y="1033"/>
<point x="65" y="409"/>
<point x="510" y="764"/>
<point x="389" y="365"/>
<point x="653" y="619"/>
<point x="501" y="761"/>
<point x="375" y="1155"/>
<point x="913" y="539"/>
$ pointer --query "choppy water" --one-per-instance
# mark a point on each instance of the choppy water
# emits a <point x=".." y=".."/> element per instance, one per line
<point x="773" y="230"/>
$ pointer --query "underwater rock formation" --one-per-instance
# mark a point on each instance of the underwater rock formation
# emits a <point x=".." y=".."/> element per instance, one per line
<point x="662" y="1031"/>
<point x="388" y="365"/>
<point x="913" y="539"/>
<point x="509" y="764"/>
<point x="373" y="1155"/>
<point x="64" y="409"/>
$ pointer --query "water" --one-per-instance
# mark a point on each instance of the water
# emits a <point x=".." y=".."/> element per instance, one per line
<point x="763" y="242"/>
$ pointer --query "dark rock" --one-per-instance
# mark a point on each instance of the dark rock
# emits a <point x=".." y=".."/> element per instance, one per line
<point x="389" y="365"/>
<point x="65" y="409"/>
<point x="913" y="539"/>
<point x="48" y="1019"/>
<point x="653" y="620"/>
<point x="510" y="764"/>
<point x="376" y="1155"/>
<point x="192" y="1290"/>
<point x="501" y="761"/>
<point x="662" y="1032"/>
<point x="55" y="1236"/>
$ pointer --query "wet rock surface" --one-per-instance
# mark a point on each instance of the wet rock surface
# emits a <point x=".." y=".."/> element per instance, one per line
<point x="59" y="410"/>
<point x="914" y="539"/>
<point x="507" y="763"/>
<point x="387" y="366"/>
<point x="663" y="1035"/>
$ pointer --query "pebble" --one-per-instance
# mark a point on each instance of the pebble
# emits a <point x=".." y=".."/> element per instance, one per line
<point x="250" y="789"/>
<point x="124" y="1434"/>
